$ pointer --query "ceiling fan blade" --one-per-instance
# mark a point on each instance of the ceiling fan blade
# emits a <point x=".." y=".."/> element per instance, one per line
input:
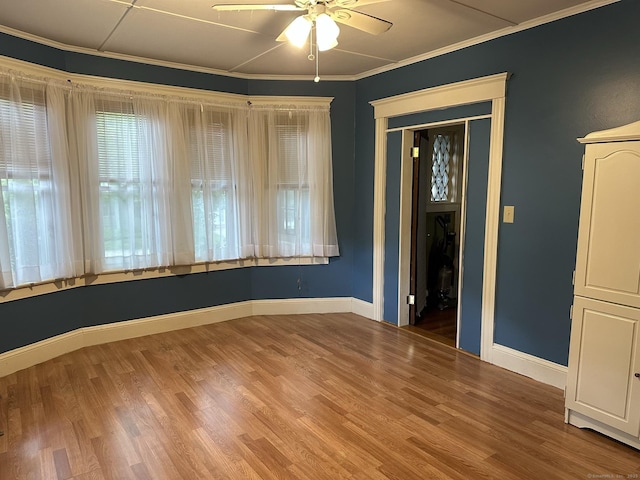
<point x="236" y="7"/>
<point x="361" y="21"/>
<point x="356" y="3"/>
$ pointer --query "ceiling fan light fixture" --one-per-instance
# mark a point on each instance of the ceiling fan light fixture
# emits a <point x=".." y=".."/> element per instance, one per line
<point x="327" y="32"/>
<point x="298" y="31"/>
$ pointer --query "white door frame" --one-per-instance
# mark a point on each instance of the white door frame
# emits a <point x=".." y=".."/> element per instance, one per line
<point x="485" y="89"/>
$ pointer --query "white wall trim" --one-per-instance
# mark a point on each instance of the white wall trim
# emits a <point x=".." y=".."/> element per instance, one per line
<point x="379" y="211"/>
<point x="492" y="226"/>
<point x="476" y="90"/>
<point x="490" y="88"/>
<point x="530" y="366"/>
<point x="362" y="308"/>
<point x="38" y="352"/>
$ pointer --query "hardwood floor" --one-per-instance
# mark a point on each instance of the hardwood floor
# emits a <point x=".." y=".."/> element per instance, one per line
<point x="290" y="397"/>
<point x="439" y="325"/>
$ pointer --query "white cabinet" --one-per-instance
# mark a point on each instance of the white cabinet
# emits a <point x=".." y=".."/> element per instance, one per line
<point x="603" y="382"/>
<point x="603" y="362"/>
<point x="608" y="259"/>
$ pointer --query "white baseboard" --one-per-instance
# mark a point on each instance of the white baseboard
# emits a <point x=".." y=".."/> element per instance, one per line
<point x="38" y="352"/>
<point x="362" y="308"/>
<point x="537" y="368"/>
<point x="112" y="332"/>
<point x="293" y="306"/>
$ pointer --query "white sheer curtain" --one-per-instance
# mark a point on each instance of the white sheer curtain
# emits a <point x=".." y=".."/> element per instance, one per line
<point x="292" y="184"/>
<point x="100" y="179"/>
<point x="217" y="152"/>
<point x="36" y="231"/>
<point x="130" y="159"/>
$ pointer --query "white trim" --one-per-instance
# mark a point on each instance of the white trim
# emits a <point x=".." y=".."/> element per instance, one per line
<point x="568" y="12"/>
<point x="625" y="133"/>
<point x="404" y="227"/>
<point x="379" y="211"/>
<point x="530" y="366"/>
<point x="491" y="88"/>
<point x="295" y="306"/>
<point x="476" y="90"/>
<point x="38" y="352"/>
<point x="362" y="308"/>
<point x="453" y="121"/>
<point x="492" y="226"/>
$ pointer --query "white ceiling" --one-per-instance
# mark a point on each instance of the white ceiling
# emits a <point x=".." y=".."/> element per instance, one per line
<point x="191" y="33"/>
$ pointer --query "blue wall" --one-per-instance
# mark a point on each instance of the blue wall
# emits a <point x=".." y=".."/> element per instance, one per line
<point x="474" y="230"/>
<point x="570" y="77"/>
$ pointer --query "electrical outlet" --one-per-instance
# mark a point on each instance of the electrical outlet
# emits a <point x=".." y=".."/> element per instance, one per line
<point x="509" y="214"/>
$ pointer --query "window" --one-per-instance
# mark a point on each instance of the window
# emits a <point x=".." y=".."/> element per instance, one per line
<point x="34" y="233"/>
<point x="445" y="161"/>
<point x="292" y="184"/>
<point x="290" y="155"/>
<point x="99" y="180"/>
<point x="132" y="187"/>
<point x="213" y="186"/>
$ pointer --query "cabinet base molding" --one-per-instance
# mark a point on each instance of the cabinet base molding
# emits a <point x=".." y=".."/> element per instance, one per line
<point x="581" y="421"/>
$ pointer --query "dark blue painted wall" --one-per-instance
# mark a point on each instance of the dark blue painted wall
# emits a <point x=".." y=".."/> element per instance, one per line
<point x="475" y="219"/>
<point x="391" y="228"/>
<point x="570" y="77"/>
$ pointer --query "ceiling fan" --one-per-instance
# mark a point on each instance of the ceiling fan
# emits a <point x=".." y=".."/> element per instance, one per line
<point x="321" y="14"/>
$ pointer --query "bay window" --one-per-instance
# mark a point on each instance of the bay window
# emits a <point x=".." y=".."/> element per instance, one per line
<point x="97" y="180"/>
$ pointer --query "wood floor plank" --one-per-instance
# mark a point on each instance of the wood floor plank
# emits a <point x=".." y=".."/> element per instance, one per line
<point x="331" y="396"/>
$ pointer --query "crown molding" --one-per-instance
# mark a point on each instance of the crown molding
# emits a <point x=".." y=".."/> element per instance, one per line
<point x="568" y="12"/>
<point x="536" y="22"/>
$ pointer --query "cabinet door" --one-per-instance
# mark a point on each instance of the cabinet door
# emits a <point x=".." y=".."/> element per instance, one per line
<point x="603" y="361"/>
<point x="608" y="258"/>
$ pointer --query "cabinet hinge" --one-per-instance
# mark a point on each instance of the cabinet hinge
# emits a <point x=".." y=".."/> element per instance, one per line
<point x="415" y="152"/>
<point x="573" y="278"/>
<point x="571" y="312"/>
<point x="411" y="299"/>
<point x="583" y="162"/>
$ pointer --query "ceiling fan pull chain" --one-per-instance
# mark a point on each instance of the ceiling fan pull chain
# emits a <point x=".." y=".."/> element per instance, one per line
<point x="317" y="79"/>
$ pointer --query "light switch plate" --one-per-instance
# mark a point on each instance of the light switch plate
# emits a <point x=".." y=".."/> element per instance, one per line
<point x="509" y="214"/>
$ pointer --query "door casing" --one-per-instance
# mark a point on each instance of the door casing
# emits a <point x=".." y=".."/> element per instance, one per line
<point x="485" y="89"/>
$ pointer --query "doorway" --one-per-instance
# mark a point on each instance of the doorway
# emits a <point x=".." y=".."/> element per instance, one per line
<point x="392" y="200"/>
<point x="436" y="224"/>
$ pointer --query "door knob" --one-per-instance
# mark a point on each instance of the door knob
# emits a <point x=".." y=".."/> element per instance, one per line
<point x="637" y="375"/>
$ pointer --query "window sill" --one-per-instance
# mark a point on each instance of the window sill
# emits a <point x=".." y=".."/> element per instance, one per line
<point x="32" y="290"/>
